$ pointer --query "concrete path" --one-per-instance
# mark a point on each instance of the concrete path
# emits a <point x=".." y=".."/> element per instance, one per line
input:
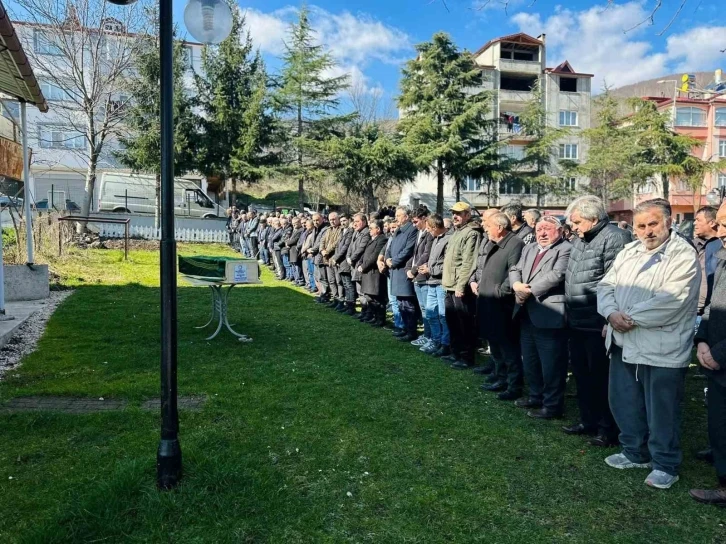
<point x="21" y="311"/>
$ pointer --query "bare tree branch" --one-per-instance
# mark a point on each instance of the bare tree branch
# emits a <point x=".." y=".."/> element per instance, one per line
<point x="85" y="49"/>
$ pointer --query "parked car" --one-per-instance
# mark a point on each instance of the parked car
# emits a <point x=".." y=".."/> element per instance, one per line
<point x="42" y="205"/>
<point x="12" y="202"/>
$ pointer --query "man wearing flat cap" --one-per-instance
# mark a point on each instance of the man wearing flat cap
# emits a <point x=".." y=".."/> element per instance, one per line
<point x="460" y="302"/>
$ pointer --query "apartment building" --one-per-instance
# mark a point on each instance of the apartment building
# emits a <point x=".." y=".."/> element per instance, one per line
<point x="702" y="115"/>
<point x="59" y="156"/>
<point x="511" y="66"/>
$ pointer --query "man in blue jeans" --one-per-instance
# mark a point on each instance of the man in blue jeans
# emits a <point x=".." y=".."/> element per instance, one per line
<point x="420" y="285"/>
<point x="436" y="295"/>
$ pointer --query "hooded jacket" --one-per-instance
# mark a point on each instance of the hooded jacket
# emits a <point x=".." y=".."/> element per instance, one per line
<point x="436" y="258"/>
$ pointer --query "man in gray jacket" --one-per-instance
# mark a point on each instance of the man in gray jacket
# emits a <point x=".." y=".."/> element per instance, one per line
<point x="538" y="282"/>
<point x="594" y="248"/>
<point x="361" y="237"/>
<point x="650" y="299"/>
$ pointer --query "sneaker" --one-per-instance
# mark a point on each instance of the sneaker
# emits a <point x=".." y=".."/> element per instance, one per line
<point x="660" y="479"/>
<point x="618" y="460"/>
<point x="431" y="348"/>
<point x="426" y="347"/>
<point x="421" y="341"/>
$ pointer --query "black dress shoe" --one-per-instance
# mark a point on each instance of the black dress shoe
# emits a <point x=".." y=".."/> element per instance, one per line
<point x="450" y="358"/>
<point x="400" y="334"/>
<point x="497" y="386"/>
<point x="443" y="351"/>
<point x="528" y="403"/>
<point x="484" y="370"/>
<point x="705" y="455"/>
<point x="407" y="337"/>
<point x="577" y="428"/>
<point x="460" y="365"/>
<point x="544" y="413"/>
<point x="604" y="441"/>
<point x="715" y="497"/>
<point x="509" y="395"/>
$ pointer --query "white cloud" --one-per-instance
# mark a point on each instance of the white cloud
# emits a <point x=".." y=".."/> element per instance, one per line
<point x="267" y="30"/>
<point x="698" y="49"/>
<point x="354" y="41"/>
<point x="608" y="42"/>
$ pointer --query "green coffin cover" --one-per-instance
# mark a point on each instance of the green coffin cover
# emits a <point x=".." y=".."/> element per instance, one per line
<point x="203" y="267"/>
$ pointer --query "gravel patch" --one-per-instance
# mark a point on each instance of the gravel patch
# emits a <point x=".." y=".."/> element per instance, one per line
<point x="26" y="337"/>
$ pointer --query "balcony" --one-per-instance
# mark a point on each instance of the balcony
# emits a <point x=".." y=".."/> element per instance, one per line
<point x="517" y="97"/>
<point x="519" y="66"/>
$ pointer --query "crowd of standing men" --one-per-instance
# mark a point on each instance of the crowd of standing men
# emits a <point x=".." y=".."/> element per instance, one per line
<point x="621" y="310"/>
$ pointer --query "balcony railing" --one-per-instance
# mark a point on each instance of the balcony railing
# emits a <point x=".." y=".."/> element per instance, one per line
<point x="520" y="66"/>
<point x="515" y="96"/>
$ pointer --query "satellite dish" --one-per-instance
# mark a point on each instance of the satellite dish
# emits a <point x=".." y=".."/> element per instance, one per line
<point x="684" y="78"/>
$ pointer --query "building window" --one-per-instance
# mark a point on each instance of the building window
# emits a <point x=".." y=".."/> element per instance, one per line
<point x="568" y="118"/>
<point x="45" y="44"/>
<point x="568" y="151"/>
<point x="514" y="152"/>
<point x="722" y="149"/>
<point x="722" y="180"/>
<point x="568" y="84"/>
<point x="54" y="92"/>
<point x="569" y="184"/>
<point x="690" y="117"/>
<point x="720" y="117"/>
<point x="58" y="137"/>
<point x="472" y="185"/>
<point x="646" y="188"/>
<point x="513" y="187"/>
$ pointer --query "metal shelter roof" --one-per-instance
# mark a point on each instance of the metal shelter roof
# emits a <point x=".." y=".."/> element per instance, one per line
<point x="16" y="75"/>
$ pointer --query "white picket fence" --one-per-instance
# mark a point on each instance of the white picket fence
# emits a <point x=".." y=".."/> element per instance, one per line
<point x="150" y="233"/>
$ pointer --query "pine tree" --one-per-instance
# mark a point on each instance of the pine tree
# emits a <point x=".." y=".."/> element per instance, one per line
<point x="443" y="119"/>
<point x="141" y="148"/>
<point x="611" y="164"/>
<point x="238" y="123"/>
<point x="368" y="159"/>
<point x="662" y="153"/>
<point x="308" y="98"/>
<point x="540" y="152"/>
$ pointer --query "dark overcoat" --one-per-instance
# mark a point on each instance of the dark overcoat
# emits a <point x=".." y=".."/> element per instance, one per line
<point x="495" y="303"/>
<point x="372" y="281"/>
<point x="400" y="251"/>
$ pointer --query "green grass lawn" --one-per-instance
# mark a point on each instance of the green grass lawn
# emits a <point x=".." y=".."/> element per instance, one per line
<point x="321" y="430"/>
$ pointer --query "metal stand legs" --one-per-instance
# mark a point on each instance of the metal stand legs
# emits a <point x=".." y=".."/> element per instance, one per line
<point x="219" y="312"/>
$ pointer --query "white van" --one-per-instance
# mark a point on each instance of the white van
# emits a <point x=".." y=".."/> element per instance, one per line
<point x="134" y="193"/>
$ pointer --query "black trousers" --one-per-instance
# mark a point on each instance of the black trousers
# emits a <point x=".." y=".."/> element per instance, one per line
<point x="507" y="357"/>
<point x="544" y="357"/>
<point x="461" y="319"/>
<point x="407" y="308"/>
<point x="254" y="248"/>
<point x="591" y="368"/>
<point x="717" y="424"/>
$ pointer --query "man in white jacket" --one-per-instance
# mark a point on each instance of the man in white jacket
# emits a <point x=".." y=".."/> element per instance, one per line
<point x="650" y="300"/>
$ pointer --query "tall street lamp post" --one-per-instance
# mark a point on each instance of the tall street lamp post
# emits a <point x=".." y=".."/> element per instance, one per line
<point x="210" y="22"/>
